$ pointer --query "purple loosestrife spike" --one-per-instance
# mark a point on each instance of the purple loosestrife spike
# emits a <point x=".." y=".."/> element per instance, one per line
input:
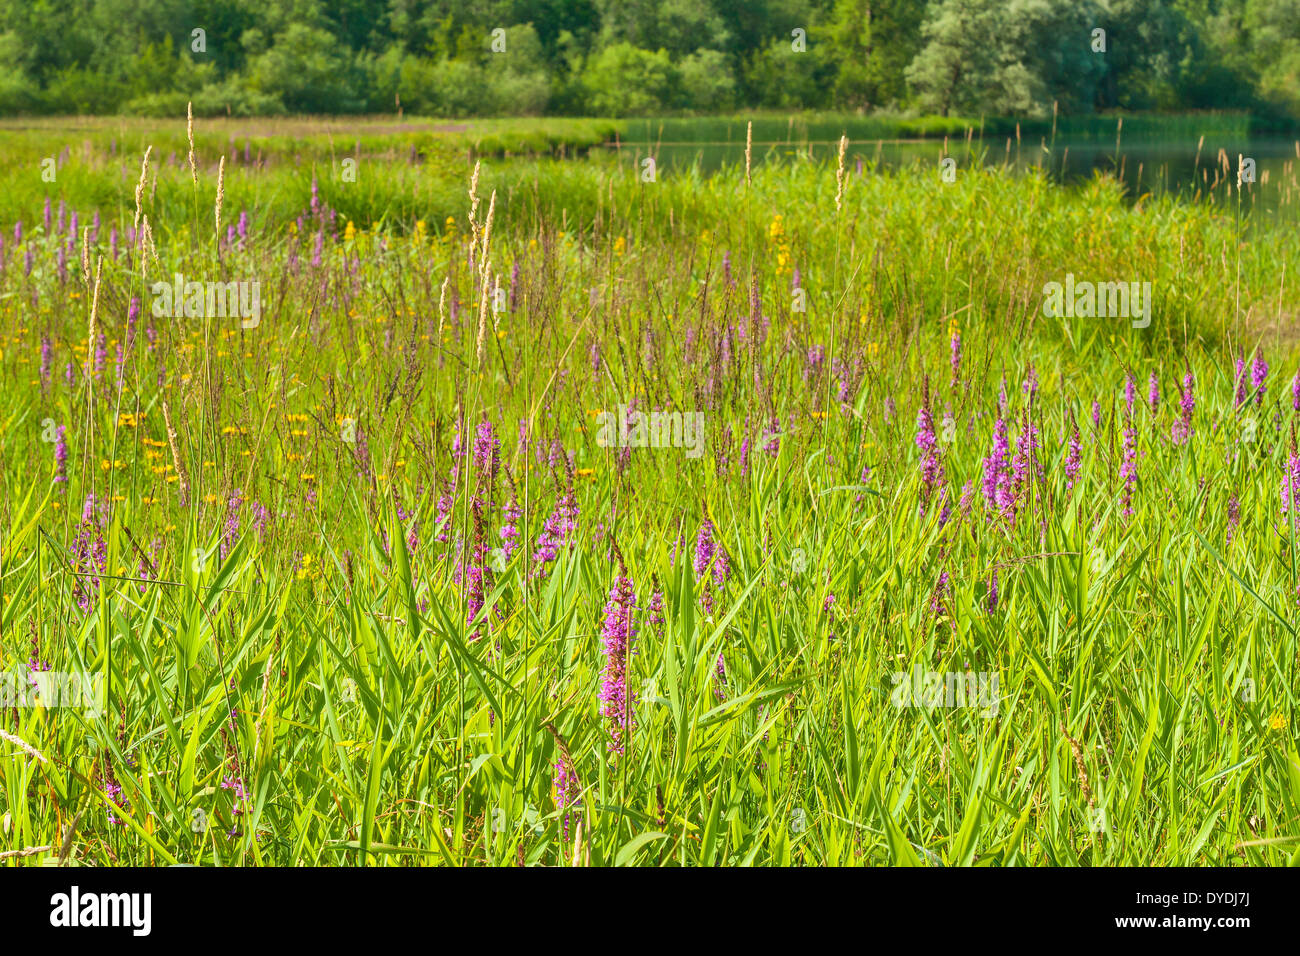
<point x="772" y="438"/>
<point x="509" y="532"/>
<point x="656" y="611"/>
<point x="1258" y="375"/>
<point x="845" y="376"/>
<point x="992" y="603"/>
<point x="995" y="465"/>
<point x="231" y="530"/>
<point x="1073" y="460"/>
<point x="1291" y="487"/>
<point x="568" y="791"/>
<point x="1130" y="393"/>
<point x="132" y="316"/>
<point x="46" y="354"/>
<point x="556" y="530"/>
<point x="487" y="455"/>
<point x="925" y="438"/>
<point x="721" y="567"/>
<point x="1182" y="430"/>
<point x="720" y="678"/>
<point x="1128" y="470"/>
<point x="1295" y="391"/>
<point x="1030" y="387"/>
<point x="1234" y="516"/>
<point x="813" y="363"/>
<point x="1024" y="464"/>
<point x="931" y="466"/>
<point x="1096" y="414"/>
<point x="704" y="549"/>
<point x="1153" y="392"/>
<point x="90" y="554"/>
<point x="61" y="458"/>
<point x="478" y="585"/>
<point x="1240" y="378"/>
<point x="617" y="700"/>
<point x="261" y="515"/>
<point x="864" y="479"/>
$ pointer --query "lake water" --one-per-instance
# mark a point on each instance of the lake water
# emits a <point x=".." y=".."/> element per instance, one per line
<point x="1193" y="168"/>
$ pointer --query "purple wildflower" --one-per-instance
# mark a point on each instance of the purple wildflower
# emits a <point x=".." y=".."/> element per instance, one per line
<point x="1030" y="386"/>
<point x="46" y="354"/>
<point x="1128" y="470"/>
<point x="1073" y="460"/>
<point x="1182" y="430"/>
<point x="90" y="554"/>
<point x="1291" y="487"/>
<point x="509" y="532"/>
<point x="568" y="791"/>
<point x="1258" y="374"/>
<point x="617" y="700"/>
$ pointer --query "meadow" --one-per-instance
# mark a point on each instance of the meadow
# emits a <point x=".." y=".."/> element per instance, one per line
<point x="951" y="582"/>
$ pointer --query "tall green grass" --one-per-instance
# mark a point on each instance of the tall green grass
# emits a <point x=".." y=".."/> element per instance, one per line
<point x="1145" y="663"/>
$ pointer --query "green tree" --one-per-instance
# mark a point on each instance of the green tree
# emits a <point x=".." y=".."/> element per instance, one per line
<point x="871" y="42"/>
<point x="706" y="81"/>
<point x="624" y="80"/>
<point x="967" y="62"/>
<point x="308" y="70"/>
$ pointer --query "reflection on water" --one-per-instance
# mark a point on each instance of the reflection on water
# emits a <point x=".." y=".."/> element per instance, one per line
<point x="1203" y="169"/>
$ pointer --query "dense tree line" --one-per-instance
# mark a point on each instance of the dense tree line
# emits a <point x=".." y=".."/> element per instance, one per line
<point x="625" y="57"/>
